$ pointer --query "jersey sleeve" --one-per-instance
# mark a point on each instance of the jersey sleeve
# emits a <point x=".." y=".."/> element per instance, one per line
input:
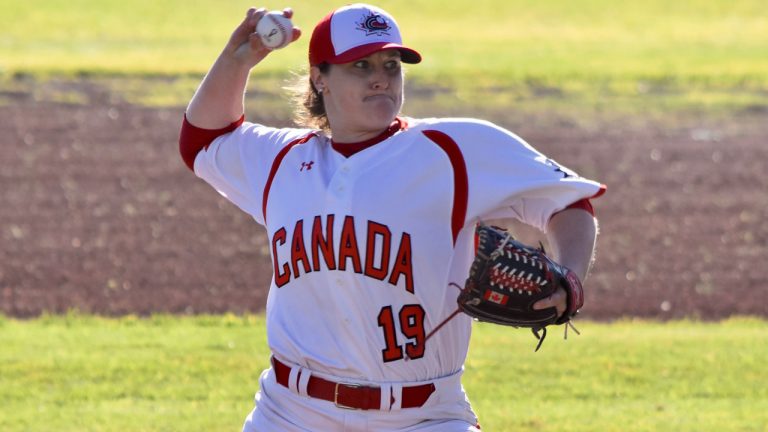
<point x="507" y="177"/>
<point x="237" y="164"/>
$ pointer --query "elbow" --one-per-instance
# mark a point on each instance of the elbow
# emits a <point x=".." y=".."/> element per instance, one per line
<point x="193" y="139"/>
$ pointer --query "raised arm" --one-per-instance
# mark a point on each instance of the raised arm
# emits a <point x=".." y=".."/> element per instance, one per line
<point x="218" y="101"/>
<point x="571" y="234"/>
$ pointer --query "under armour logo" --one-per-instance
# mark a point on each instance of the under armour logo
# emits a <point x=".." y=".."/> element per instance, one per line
<point x="307" y="165"/>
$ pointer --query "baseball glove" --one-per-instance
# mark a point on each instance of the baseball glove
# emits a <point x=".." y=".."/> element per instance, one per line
<point x="508" y="277"/>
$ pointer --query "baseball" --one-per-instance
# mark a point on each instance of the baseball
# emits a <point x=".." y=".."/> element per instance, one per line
<point x="275" y="30"/>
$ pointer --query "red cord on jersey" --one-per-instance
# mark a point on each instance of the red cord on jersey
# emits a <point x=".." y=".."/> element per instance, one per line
<point x="192" y="139"/>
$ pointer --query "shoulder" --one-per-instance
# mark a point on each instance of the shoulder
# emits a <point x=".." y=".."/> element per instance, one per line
<point x="456" y="124"/>
<point x="254" y="132"/>
<point x="465" y="131"/>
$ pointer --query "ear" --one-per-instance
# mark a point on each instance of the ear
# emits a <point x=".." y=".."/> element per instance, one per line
<point x="317" y="78"/>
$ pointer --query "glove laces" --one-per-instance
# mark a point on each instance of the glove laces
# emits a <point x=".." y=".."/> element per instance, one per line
<point x="543" y="334"/>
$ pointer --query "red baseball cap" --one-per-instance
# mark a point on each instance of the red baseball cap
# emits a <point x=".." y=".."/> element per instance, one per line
<point x="355" y="31"/>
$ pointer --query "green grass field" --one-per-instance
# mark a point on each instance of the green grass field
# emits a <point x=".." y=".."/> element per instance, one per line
<point x="82" y="373"/>
<point x="700" y="53"/>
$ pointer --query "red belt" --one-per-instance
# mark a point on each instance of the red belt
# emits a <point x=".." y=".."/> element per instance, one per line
<point x="353" y="396"/>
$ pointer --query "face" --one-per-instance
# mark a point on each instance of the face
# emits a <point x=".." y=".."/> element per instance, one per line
<point x="362" y="97"/>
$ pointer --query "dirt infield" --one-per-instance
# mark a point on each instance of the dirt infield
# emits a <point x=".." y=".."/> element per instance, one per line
<point x="99" y="214"/>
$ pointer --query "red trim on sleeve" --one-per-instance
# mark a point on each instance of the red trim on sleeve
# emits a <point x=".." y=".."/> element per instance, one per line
<point x="583" y="204"/>
<point x="275" y="165"/>
<point x="600" y="192"/>
<point x="460" y="180"/>
<point x="192" y="139"/>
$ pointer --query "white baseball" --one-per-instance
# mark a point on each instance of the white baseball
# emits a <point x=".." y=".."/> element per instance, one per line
<point x="275" y="30"/>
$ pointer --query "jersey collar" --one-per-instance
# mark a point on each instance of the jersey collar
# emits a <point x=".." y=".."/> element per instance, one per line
<point x="348" y="149"/>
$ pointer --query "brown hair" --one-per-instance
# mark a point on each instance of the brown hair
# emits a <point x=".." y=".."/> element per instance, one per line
<point x="309" y="107"/>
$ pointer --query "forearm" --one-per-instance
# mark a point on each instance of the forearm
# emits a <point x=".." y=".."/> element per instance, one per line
<point x="219" y="99"/>
<point x="572" y="234"/>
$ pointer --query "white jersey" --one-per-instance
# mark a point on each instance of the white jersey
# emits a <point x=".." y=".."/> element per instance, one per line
<point x="364" y="248"/>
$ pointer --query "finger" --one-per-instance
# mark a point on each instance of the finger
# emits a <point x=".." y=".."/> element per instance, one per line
<point x="544" y="303"/>
<point x="296" y="34"/>
<point x="255" y="41"/>
<point x="288" y="13"/>
<point x="560" y="298"/>
<point x="556" y="300"/>
<point x="246" y="27"/>
<point x="256" y="16"/>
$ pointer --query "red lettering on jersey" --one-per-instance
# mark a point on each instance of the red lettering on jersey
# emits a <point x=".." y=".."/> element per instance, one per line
<point x="377" y="230"/>
<point x="284" y="277"/>
<point x="348" y="246"/>
<point x="378" y="236"/>
<point x="323" y="244"/>
<point x="298" y="251"/>
<point x="403" y="264"/>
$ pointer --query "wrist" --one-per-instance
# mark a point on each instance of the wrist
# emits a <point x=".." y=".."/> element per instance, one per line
<point x="234" y="61"/>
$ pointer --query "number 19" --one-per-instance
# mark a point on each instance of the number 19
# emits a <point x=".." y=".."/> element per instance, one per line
<point x="411" y="321"/>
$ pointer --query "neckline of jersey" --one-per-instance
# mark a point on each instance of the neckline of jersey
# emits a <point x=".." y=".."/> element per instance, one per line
<point x="349" y="149"/>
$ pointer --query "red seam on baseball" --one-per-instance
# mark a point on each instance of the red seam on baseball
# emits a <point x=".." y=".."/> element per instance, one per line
<point x="282" y="30"/>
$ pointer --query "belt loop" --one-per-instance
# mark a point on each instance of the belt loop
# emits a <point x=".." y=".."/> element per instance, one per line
<point x="397" y="394"/>
<point x="293" y="379"/>
<point x="386" y="396"/>
<point x="303" y="383"/>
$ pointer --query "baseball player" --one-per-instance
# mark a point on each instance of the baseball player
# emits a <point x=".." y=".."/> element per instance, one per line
<point x="370" y="219"/>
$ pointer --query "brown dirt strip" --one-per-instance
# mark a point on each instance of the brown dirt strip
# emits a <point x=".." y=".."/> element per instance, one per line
<point x="99" y="214"/>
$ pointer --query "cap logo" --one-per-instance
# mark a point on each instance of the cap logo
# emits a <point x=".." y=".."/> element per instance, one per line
<point x="374" y="24"/>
